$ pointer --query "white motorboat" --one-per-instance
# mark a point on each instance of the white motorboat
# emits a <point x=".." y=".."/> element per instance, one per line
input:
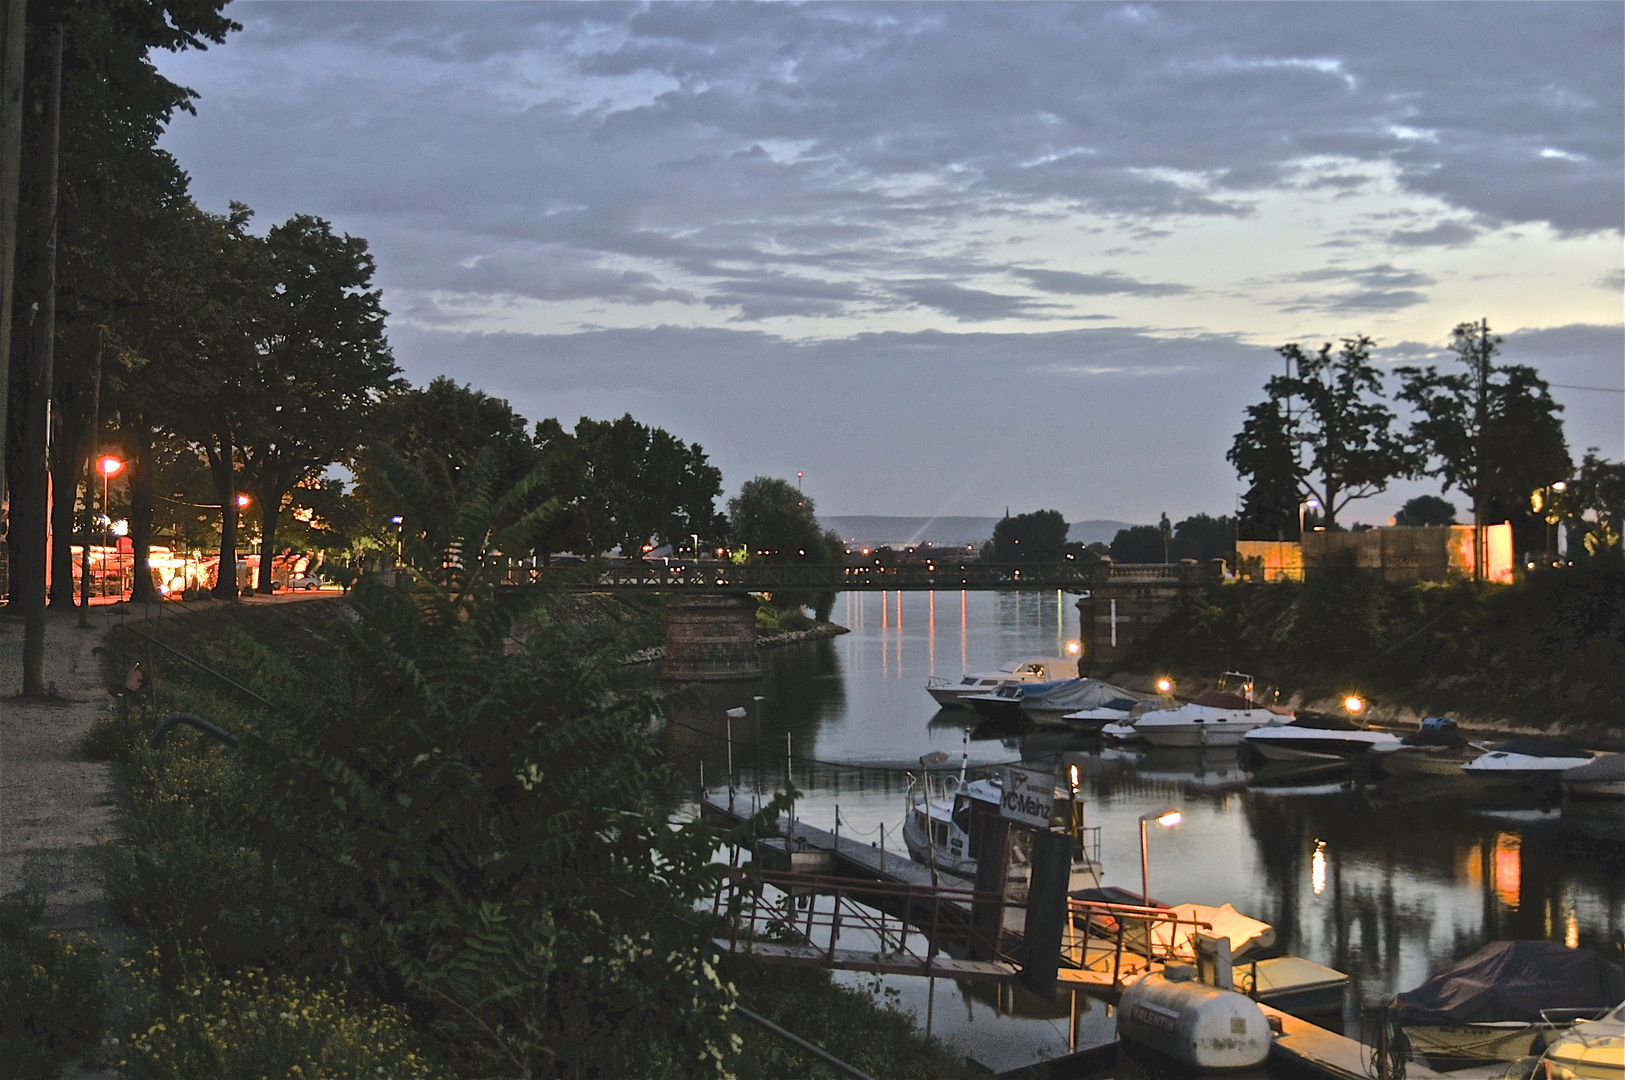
<point x="1603" y="777"/>
<point x="1526" y="763"/>
<point x="1317" y="738"/>
<point x="1592" y="1049"/>
<point x="948" y="833"/>
<point x="950" y="693"/>
<point x="1214" y="719"/>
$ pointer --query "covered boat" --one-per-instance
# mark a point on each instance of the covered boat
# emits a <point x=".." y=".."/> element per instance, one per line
<point x="1497" y="1002"/>
<point x="1317" y="737"/>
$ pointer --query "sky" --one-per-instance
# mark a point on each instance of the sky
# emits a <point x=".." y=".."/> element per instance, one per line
<point x="945" y="259"/>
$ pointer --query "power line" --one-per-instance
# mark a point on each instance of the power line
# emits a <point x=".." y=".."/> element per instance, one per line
<point x="1598" y="389"/>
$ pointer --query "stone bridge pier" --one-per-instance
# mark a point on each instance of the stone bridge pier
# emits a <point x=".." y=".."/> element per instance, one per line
<point x="711" y="638"/>
<point x="1127" y="601"/>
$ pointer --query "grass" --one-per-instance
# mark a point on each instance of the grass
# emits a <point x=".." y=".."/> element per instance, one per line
<point x="52" y="994"/>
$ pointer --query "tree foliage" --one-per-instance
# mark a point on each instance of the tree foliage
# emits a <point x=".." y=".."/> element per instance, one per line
<point x="1426" y="510"/>
<point x="1036" y="537"/>
<point x="1490" y="431"/>
<point x="1265" y="455"/>
<point x="640" y="484"/>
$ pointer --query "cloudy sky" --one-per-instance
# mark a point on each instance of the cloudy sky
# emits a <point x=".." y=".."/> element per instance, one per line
<point x="944" y="259"/>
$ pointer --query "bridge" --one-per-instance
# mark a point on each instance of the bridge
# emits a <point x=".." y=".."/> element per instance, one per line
<point x="711" y="628"/>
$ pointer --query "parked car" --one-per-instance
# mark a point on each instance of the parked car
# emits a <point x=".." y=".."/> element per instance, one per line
<point x="304" y="581"/>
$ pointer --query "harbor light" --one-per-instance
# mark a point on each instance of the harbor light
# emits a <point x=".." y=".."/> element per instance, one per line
<point x="1073" y="648"/>
<point x="1169" y="818"/>
<point x="1073" y="777"/>
<point x="1165" y="685"/>
<point x="1353" y="705"/>
<point x="242" y="500"/>
<point x="109" y="466"/>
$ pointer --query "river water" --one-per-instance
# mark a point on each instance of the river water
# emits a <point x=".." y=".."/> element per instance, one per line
<point x="1386" y="882"/>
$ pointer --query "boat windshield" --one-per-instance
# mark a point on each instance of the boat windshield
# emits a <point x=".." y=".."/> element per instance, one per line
<point x="962" y="813"/>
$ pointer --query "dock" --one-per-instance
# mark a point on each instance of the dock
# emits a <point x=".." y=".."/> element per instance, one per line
<point x="1094" y="967"/>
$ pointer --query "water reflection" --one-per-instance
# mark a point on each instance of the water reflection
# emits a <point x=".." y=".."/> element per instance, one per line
<point x="1385" y="881"/>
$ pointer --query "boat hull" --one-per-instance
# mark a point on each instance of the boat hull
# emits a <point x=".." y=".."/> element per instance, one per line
<point x="1595" y="789"/>
<point x="1193" y="735"/>
<point x="1412" y="762"/>
<point x="1451" y="1043"/>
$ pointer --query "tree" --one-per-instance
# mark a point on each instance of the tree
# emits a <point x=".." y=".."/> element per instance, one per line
<point x="1426" y="510"/>
<point x="1264" y="455"/>
<point x="1036" y="537"/>
<point x="1138" y="544"/>
<point x="1599" y="490"/>
<point x="322" y="361"/>
<point x="1204" y="538"/>
<point x="1491" y="431"/>
<point x="641" y="484"/>
<point x="1343" y="427"/>
<point x="774" y="522"/>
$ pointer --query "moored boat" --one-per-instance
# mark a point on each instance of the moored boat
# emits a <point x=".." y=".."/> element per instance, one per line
<point x="1603" y="777"/>
<point x="1436" y="748"/>
<point x="1495" y="1004"/>
<point x="949" y="833"/>
<point x="1592" y="1049"/>
<point x="950" y="693"/>
<point x="1526" y="763"/>
<point x="1317" y="737"/>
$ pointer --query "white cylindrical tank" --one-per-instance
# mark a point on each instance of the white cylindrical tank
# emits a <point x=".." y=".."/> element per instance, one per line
<point x="1200" y="1025"/>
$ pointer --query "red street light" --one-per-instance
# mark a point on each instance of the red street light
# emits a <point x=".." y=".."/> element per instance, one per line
<point x="109" y="466"/>
<point x="242" y="500"/>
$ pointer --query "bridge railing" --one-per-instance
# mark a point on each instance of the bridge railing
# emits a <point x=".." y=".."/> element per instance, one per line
<point x="687" y="575"/>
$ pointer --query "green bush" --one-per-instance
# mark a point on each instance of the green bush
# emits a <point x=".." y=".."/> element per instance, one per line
<point x="253" y="1025"/>
<point x="51" y="993"/>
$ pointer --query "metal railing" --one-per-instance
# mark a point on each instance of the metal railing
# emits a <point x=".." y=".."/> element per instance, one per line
<point x="905" y="926"/>
<point x="686" y="575"/>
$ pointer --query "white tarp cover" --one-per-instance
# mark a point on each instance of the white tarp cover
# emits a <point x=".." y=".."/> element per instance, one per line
<point x="1245" y="934"/>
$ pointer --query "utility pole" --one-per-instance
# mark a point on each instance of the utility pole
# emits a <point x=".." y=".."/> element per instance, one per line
<point x="1481" y="412"/>
<point x="13" y="39"/>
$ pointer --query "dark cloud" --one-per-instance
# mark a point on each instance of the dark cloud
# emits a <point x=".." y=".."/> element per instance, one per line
<point x="1444" y="234"/>
<point x="1368" y="289"/>
<point x="1075" y="284"/>
<point x="969" y="305"/>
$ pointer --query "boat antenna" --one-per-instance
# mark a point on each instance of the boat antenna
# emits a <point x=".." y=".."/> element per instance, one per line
<point x="964" y="756"/>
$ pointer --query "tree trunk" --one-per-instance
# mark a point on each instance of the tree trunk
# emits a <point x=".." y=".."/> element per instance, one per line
<point x="29" y="503"/>
<point x="13" y="39"/>
<point x="67" y="468"/>
<point x="138" y="436"/>
<point x="270" y="511"/>
<point x="220" y="467"/>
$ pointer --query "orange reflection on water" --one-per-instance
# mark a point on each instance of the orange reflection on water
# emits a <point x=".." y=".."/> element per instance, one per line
<point x="1571" y="929"/>
<point x="1509" y="868"/>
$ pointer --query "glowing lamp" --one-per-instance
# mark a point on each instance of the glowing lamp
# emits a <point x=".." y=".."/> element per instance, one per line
<point x="1353" y="704"/>
<point x="1561" y="485"/>
<point x="109" y="466"/>
<point x="1165" y="685"/>
<point x="242" y="500"/>
<point x="1169" y="818"/>
<point x="1072" y="773"/>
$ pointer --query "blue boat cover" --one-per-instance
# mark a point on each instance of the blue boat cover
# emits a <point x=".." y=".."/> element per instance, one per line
<point x="1513" y="980"/>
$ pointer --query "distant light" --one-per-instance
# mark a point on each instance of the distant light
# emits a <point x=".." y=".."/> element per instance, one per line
<point x="1165" y="685"/>
<point x="1073" y="648"/>
<point x="121" y="528"/>
<point x="1312" y="502"/>
<point x="109" y="466"/>
<point x="1072" y="771"/>
<point x="242" y="500"/>
<point x="1561" y="485"/>
<point x="1353" y="704"/>
<point x="1169" y="818"/>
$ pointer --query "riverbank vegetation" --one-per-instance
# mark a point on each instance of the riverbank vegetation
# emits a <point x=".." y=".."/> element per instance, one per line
<point x="446" y="847"/>
<point x="1546" y="653"/>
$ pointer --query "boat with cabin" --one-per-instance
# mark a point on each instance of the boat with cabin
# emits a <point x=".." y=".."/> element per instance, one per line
<point x="950" y="831"/>
<point x="951" y="693"/>
<point x="1219" y="717"/>
<point x="1051" y="703"/>
<point x="1592" y="1049"/>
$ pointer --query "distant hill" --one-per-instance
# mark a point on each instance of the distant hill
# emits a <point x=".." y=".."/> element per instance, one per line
<point x="871" y="530"/>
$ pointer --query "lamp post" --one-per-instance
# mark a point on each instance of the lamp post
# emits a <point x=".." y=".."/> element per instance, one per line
<point x="109" y="466"/>
<point x="1302" y="506"/>
<point x="1167" y="819"/>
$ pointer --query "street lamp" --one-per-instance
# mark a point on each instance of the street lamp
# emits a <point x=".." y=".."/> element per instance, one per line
<point x="1167" y="819"/>
<point x="1302" y="506"/>
<point x="109" y="465"/>
<point x="1165" y="685"/>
